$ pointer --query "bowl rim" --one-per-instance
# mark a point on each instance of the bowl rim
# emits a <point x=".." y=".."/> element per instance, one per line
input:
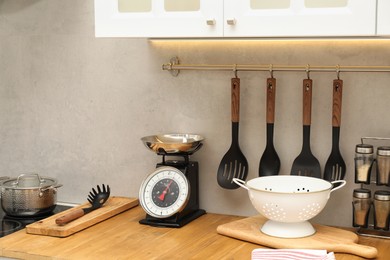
<point x="173" y="138"/>
<point x="288" y="177"/>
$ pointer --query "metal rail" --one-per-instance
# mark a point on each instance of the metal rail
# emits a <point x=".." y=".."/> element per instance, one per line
<point x="174" y="67"/>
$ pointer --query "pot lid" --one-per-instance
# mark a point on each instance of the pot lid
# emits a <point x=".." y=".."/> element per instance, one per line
<point x="29" y="181"/>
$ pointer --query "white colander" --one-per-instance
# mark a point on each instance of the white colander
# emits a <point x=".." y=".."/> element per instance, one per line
<point x="288" y="201"/>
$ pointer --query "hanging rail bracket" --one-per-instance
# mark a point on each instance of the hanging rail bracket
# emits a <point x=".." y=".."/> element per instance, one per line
<point x="173" y="61"/>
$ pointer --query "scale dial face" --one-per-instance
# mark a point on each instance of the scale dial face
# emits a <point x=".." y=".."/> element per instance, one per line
<point x="164" y="192"/>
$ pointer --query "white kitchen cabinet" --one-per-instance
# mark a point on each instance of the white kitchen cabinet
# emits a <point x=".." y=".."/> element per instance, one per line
<point x="235" y="18"/>
<point x="296" y="18"/>
<point x="383" y="25"/>
<point x="158" y="18"/>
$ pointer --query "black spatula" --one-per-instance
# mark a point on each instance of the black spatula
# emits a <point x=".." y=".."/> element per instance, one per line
<point x="233" y="163"/>
<point x="335" y="166"/>
<point x="306" y="164"/>
<point x="270" y="162"/>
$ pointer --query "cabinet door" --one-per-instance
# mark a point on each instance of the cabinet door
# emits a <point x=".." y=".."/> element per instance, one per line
<point x="158" y="18"/>
<point x="299" y="18"/>
<point x="383" y="25"/>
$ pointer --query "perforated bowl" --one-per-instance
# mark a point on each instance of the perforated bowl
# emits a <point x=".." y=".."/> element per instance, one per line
<point x="289" y="201"/>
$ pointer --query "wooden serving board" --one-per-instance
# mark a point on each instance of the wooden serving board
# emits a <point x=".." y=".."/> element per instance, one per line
<point x="329" y="238"/>
<point x="112" y="207"/>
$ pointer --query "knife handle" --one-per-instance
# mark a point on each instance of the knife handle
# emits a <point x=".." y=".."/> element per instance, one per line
<point x="68" y="217"/>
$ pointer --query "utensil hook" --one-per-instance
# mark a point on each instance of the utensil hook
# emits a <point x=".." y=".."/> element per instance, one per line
<point x="271" y="70"/>
<point x="338" y="71"/>
<point x="308" y="71"/>
<point x="235" y="70"/>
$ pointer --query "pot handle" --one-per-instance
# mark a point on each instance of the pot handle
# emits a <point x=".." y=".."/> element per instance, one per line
<point x="45" y="188"/>
<point x="3" y="179"/>
<point x="342" y="184"/>
<point x="240" y="182"/>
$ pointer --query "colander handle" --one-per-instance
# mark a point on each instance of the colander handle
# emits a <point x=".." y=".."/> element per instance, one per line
<point x="240" y="182"/>
<point x="342" y="184"/>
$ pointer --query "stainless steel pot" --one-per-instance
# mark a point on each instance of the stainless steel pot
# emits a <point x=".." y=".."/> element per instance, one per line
<point x="29" y="195"/>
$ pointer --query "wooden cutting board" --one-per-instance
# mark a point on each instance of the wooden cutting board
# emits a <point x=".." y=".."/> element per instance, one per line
<point x="112" y="207"/>
<point x="329" y="238"/>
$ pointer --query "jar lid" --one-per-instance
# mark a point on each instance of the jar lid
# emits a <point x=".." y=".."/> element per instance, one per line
<point x="384" y="150"/>
<point x="382" y="195"/>
<point x="364" y="148"/>
<point x="362" y="193"/>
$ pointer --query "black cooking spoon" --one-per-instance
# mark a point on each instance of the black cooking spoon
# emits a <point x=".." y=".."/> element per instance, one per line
<point x="306" y="164"/>
<point x="270" y="162"/>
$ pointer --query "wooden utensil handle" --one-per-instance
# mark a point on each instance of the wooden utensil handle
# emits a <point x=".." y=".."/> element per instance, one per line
<point x="337" y="100"/>
<point x="307" y="96"/>
<point x="271" y="90"/>
<point x="75" y="214"/>
<point x="235" y="100"/>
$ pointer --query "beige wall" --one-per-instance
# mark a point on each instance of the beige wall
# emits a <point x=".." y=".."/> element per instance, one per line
<point x="75" y="107"/>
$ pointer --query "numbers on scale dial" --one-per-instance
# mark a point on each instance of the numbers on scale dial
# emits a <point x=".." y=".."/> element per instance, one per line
<point x="165" y="193"/>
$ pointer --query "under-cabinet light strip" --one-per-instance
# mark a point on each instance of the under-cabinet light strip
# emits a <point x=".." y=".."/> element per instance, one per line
<point x="174" y="66"/>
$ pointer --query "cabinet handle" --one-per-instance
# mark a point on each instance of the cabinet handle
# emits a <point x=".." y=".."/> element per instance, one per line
<point x="231" y="21"/>
<point x="210" y="22"/>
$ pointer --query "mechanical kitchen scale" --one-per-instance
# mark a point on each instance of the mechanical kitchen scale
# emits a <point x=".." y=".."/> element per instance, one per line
<point x="170" y="194"/>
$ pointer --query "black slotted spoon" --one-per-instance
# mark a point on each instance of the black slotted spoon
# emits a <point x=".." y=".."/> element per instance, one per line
<point x="306" y="164"/>
<point x="269" y="161"/>
<point x="335" y="166"/>
<point x="233" y="163"/>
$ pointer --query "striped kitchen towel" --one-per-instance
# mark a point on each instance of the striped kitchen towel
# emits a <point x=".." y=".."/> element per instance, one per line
<point x="291" y="254"/>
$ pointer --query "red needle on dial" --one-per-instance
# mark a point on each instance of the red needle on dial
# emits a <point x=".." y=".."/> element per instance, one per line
<point x="162" y="196"/>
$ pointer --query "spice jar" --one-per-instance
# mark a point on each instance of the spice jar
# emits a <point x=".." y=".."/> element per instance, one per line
<point x="381" y="209"/>
<point x="383" y="165"/>
<point x="364" y="157"/>
<point x="361" y="207"/>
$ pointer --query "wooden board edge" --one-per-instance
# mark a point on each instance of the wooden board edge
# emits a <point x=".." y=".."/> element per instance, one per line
<point x="34" y="230"/>
<point x="107" y="215"/>
<point x="353" y="248"/>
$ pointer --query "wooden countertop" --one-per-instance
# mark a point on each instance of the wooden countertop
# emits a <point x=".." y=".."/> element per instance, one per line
<point x="122" y="237"/>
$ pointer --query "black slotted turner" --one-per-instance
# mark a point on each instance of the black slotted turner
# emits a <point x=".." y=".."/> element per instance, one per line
<point x="233" y="163"/>
<point x="306" y="164"/>
<point x="335" y="166"/>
